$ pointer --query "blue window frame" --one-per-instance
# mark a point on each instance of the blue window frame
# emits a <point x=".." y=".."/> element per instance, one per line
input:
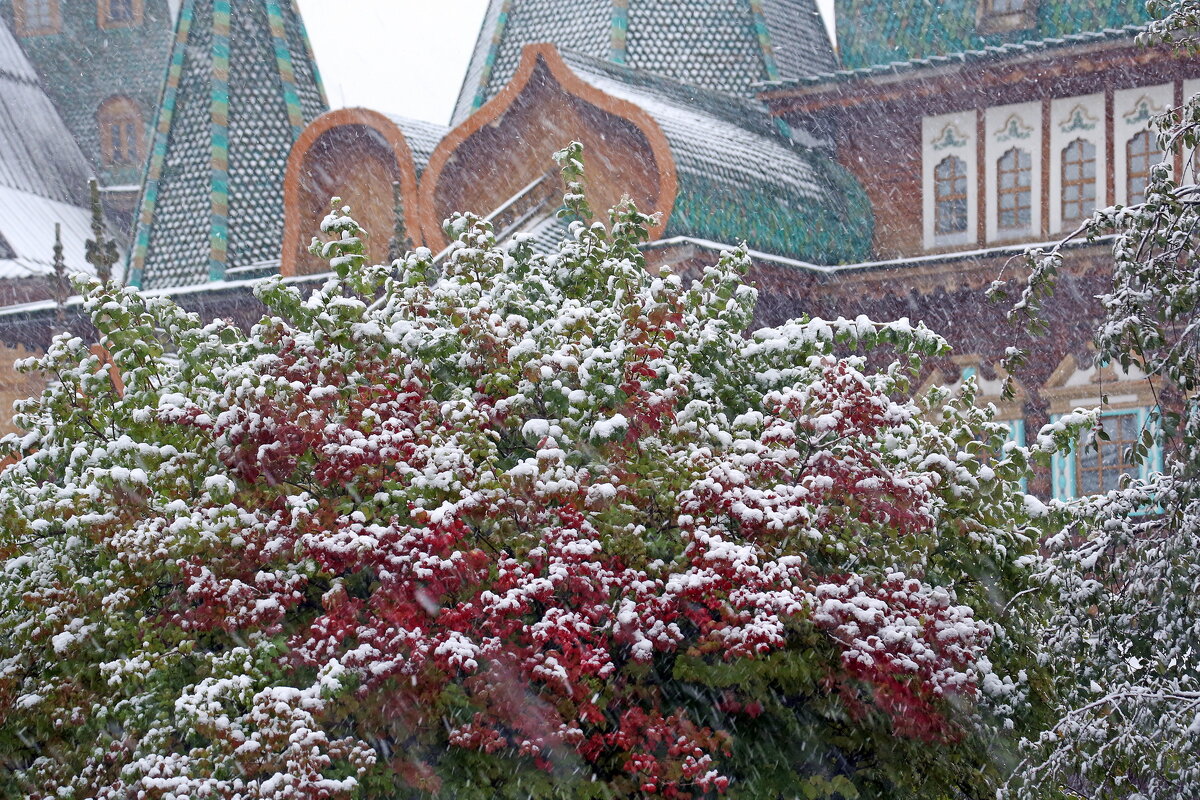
<point x="1081" y="472"/>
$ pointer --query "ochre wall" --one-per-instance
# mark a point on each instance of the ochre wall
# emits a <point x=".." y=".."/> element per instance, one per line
<point x="510" y="143"/>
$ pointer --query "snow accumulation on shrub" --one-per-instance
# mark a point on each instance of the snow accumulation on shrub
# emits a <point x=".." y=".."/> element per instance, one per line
<point x="509" y="525"/>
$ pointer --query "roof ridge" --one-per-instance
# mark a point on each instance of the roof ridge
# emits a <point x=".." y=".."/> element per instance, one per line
<point x="212" y="196"/>
<point x="961" y="56"/>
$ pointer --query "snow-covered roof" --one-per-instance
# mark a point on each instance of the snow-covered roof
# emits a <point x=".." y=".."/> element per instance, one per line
<point x="27" y="229"/>
<point x="727" y="45"/>
<point x="743" y="175"/>
<point x="422" y="138"/>
<point x="37" y="152"/>
<point x="43" y="174"/>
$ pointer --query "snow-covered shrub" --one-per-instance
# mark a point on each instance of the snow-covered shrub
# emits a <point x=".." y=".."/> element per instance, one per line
<point x="508" y="526"/>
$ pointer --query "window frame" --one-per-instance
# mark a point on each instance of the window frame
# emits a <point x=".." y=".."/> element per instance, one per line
<point x="1017" y="191"/>
<point x="1078" y="384"/>
<point x="959" y="199"/>
<point x="1152" y="155"/>
<point x="1136" y="419"/>
<point x="1085" y="184"/>
<point x="120" y="110"/>
<point x="21" y="18"/>
<point x="1064" y="467"/>
<point x="106" y="22"/>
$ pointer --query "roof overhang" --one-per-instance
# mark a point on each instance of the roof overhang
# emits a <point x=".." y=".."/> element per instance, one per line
<point x="978" y="72"/>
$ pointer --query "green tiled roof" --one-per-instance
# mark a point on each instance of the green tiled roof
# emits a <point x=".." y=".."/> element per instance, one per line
<point x="241" y="86"/>
<point x="82" y="66"/>
<point x="725" y="45"/>
<point x="873" y="32"/>
<point x="742" y="178"/>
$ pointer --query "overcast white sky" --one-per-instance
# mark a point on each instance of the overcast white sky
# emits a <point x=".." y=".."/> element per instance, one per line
<point x="399" y="56"/>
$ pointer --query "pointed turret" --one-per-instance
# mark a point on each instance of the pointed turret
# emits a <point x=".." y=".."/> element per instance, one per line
<point x="725" y="45"/>
<point x="241" y="86"/>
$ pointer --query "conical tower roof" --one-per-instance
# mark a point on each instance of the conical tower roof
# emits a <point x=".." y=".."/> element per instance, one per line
<point x="241" y="86"/>
<point x="724" y="45"/>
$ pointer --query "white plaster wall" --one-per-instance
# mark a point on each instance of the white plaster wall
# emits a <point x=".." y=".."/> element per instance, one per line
<point x="1191" y="88"/>
<point x="1131" y="111"/>
<point x="941" y="136"/>
<point x="1074" y="118"/>
<point x="1018" y="125"/>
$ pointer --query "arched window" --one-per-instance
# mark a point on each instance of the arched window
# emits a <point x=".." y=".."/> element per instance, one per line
<point x="120" y="13"/>
<point x="121" y="133"/>
<point x="1078" y="181"/>
<point x="37" y="17"/>
<point x="1014" y="193"/>
<point x="1140" y="153"/>
<point x="950" y="196"/>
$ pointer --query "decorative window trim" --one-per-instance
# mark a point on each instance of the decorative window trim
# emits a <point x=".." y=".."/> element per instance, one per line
<point x="1132" y="109"/>
<point x="943" y="136"/>
<point x="1020" y="126"/>
<point x="25" y="29"/>
<point x="1074" y="118"/>
<point x="1001" y="17"/>
<point x="121" y="110"/>
<point x="106" y="22"/>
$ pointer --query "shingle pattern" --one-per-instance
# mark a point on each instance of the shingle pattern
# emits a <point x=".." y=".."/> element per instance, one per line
<point x="128" y="61"/>
<point x="254" y="143"/>
<point x="739" y="178"/>
<point x="473" y="79"/>
<point x="308" y="77"/>
<point x="43" y="173"/>
<point x="797" y="50"/>
<point x="213" y="198"/>
<point x="983" y="54"/>
<point x="37" y="152"/>
<point x="724" y="45"/>
<point x="422" y="138"/>
<point x="582" y="26"/>
<point x="872" y="32"/>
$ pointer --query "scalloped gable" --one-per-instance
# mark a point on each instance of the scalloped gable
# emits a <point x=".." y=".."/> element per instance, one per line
<point x="1075" y="383"/>
<point x="360" y="155"/>
<point x="990" y="389"/>
<point x="724" y="168"/>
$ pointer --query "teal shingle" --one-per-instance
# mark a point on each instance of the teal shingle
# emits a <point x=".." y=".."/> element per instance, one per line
<point x="873" y="32"/>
